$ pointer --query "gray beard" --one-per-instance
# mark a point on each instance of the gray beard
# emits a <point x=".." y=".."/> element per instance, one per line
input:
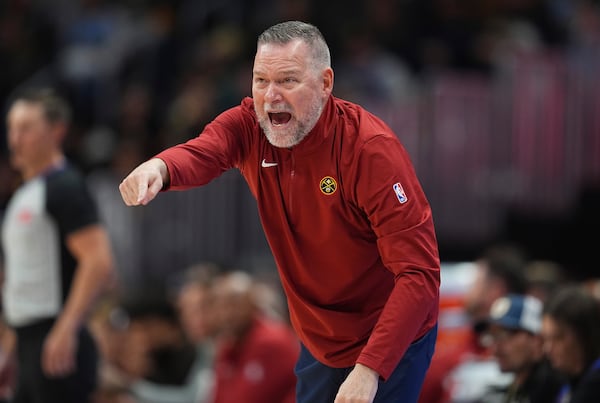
<point x="295" y="134"/>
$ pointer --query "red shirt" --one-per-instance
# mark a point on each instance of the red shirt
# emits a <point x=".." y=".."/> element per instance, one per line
<point x="260" y="369"/>
<point x="348" y="224"/>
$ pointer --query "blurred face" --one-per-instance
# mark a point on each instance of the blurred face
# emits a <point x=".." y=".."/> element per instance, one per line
<point x="31" y="138"/>
<point x="484" y="290"/>
<point x="561" y="346"/>
<point x="194" y="312"/>
<point x="288" y="92"/>
<point x="515" y="350"/>
<point x="234" y="310"/>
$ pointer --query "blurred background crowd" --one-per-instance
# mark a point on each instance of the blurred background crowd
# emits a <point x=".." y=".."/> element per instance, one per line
<point x="497" y="101"/>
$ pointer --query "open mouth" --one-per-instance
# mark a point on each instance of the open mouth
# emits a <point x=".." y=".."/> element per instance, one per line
<point x="280" y="118"/>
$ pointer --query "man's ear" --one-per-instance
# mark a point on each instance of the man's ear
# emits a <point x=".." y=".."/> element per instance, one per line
<point x="328" y="81"/>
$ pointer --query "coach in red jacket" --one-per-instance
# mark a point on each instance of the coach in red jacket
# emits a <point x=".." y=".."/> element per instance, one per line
<point x="344" y="214"/>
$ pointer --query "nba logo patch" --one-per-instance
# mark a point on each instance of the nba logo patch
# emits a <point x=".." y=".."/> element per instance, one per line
<point x="399" y="190"/>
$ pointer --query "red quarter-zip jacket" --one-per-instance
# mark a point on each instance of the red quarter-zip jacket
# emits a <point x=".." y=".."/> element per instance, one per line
<point x="348" y="224"/>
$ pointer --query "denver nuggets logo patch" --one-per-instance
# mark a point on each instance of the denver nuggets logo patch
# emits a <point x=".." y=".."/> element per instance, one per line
<point x="399" y="190"/>
<point x="328" y="185"/>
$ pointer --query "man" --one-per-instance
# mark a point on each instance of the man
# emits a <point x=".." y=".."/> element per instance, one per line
<point x="58" y="257"/>
<point x="343" y="211"/>
<point x="195" y="314"/>
<point x="255" y="354"/>
<point x="463" y="367"/>
<point x="515" y="323"/>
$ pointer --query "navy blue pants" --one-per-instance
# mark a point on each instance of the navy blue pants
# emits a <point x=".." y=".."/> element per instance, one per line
<point x="318" y="383"/>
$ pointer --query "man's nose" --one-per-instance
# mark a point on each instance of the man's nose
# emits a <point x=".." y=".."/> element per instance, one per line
<point x="272" y="94"/>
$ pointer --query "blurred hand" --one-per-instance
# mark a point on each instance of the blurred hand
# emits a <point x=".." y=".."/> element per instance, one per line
<point x="144" y="182"/>
<point x="359" y="387"/>
<point x="59" y="352"/>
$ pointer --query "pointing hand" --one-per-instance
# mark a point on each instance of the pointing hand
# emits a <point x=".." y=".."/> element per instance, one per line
<point x="144" y="182"/>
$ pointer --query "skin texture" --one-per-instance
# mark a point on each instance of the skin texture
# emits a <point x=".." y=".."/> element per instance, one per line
<point x="195" y="312"/>
<point x="516" y="351"/>
<point x="234" y="306"/>
<point x="33" y="142"/>
<point x="289" y="91"/>
<point x="35" y="146"/>
<point x="284" y="81"/>
<point x="142" y="185"/>
<point x="561" y="347"/>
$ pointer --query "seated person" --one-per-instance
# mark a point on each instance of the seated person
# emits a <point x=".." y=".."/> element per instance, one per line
<point x="514" y="333"/>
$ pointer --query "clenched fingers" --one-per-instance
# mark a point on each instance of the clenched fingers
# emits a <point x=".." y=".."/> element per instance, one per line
<point x="143" y="183"/>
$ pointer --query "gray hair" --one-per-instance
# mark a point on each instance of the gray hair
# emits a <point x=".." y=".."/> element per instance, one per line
<point x="289" y="31"/>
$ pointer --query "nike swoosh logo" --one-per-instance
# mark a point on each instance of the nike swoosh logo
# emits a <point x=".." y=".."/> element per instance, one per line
<point x="266" y="164"/>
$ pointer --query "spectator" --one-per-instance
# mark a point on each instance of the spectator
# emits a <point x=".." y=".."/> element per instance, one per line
<point x="255" y="354"/>
<point x="196" y="314"/>
<point x="514" y="328"/>
<point x="544" y="278"/>
<point x="158" y="356"/>
<point x="108" y="324"/>
<point x="571" y="331"/>
<point x="462" y="372"/>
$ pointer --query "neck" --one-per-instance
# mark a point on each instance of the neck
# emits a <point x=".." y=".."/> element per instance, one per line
<point x="521" y="376"/>
<point x="525" y="372"/>
<point x="53" y="160"/>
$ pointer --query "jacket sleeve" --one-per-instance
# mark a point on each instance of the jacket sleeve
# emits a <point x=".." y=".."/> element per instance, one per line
<point x="390" y="194"/>
<point x="219" y="147"/>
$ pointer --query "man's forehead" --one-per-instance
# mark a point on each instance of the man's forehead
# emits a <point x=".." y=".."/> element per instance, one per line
<point x="282" y="61"/>
<point x="289" y="50"/>
<point x="23" y="108"/>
